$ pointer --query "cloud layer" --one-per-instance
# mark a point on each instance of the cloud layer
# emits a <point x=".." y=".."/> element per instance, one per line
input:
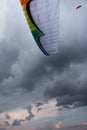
<point x="27" y="76"/>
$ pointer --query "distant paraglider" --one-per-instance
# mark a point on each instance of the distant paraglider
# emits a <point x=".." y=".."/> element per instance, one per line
<point x="78" y="6"/>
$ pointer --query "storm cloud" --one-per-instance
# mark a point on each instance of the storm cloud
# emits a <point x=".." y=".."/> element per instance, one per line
<point x="68" y="93"/>
<point x="29" y="110"/>
<point x="6" y="123"/>
<point x="7" y="116"/>
<point x="16" y="122"/>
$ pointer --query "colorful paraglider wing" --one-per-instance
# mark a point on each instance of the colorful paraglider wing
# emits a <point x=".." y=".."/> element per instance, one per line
<point x="43" y="19"/>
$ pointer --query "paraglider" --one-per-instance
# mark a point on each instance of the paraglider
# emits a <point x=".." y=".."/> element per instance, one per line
<point x="78" y="7"/>
<point x="43" y="19"/>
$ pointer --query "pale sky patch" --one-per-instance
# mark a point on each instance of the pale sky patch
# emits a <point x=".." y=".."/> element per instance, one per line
<point x="3" y="10"/>
<point x="48" y="110"/>
<point x="84" y="123"/>
<point x="58" y="125"/>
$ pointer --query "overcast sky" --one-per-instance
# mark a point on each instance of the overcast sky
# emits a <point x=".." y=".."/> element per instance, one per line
<point x="39" y="92"/>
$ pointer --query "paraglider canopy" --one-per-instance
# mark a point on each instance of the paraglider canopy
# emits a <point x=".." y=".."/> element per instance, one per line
<point x="43" y="19"/>
<point x="78" y="6"/>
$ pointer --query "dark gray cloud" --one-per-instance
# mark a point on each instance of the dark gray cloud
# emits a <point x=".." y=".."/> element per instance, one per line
<point x="8" y="56"/>
<point x="39" y="109"/>
<point x="70" y="90"/>
<point x="38" y="104"/>
<point x="2" y="128"/>
<point x="71" y="55"/>
<point x="75" y="53"/>
<point x="16" y="122"/>
<point x="29" y="110"/>
<point x="31" y="116"/>
<point x="7" y="116"/>
<point x="6" y="123"/>
<point x="16" y="59"/>
<point x="22" y="66"/>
